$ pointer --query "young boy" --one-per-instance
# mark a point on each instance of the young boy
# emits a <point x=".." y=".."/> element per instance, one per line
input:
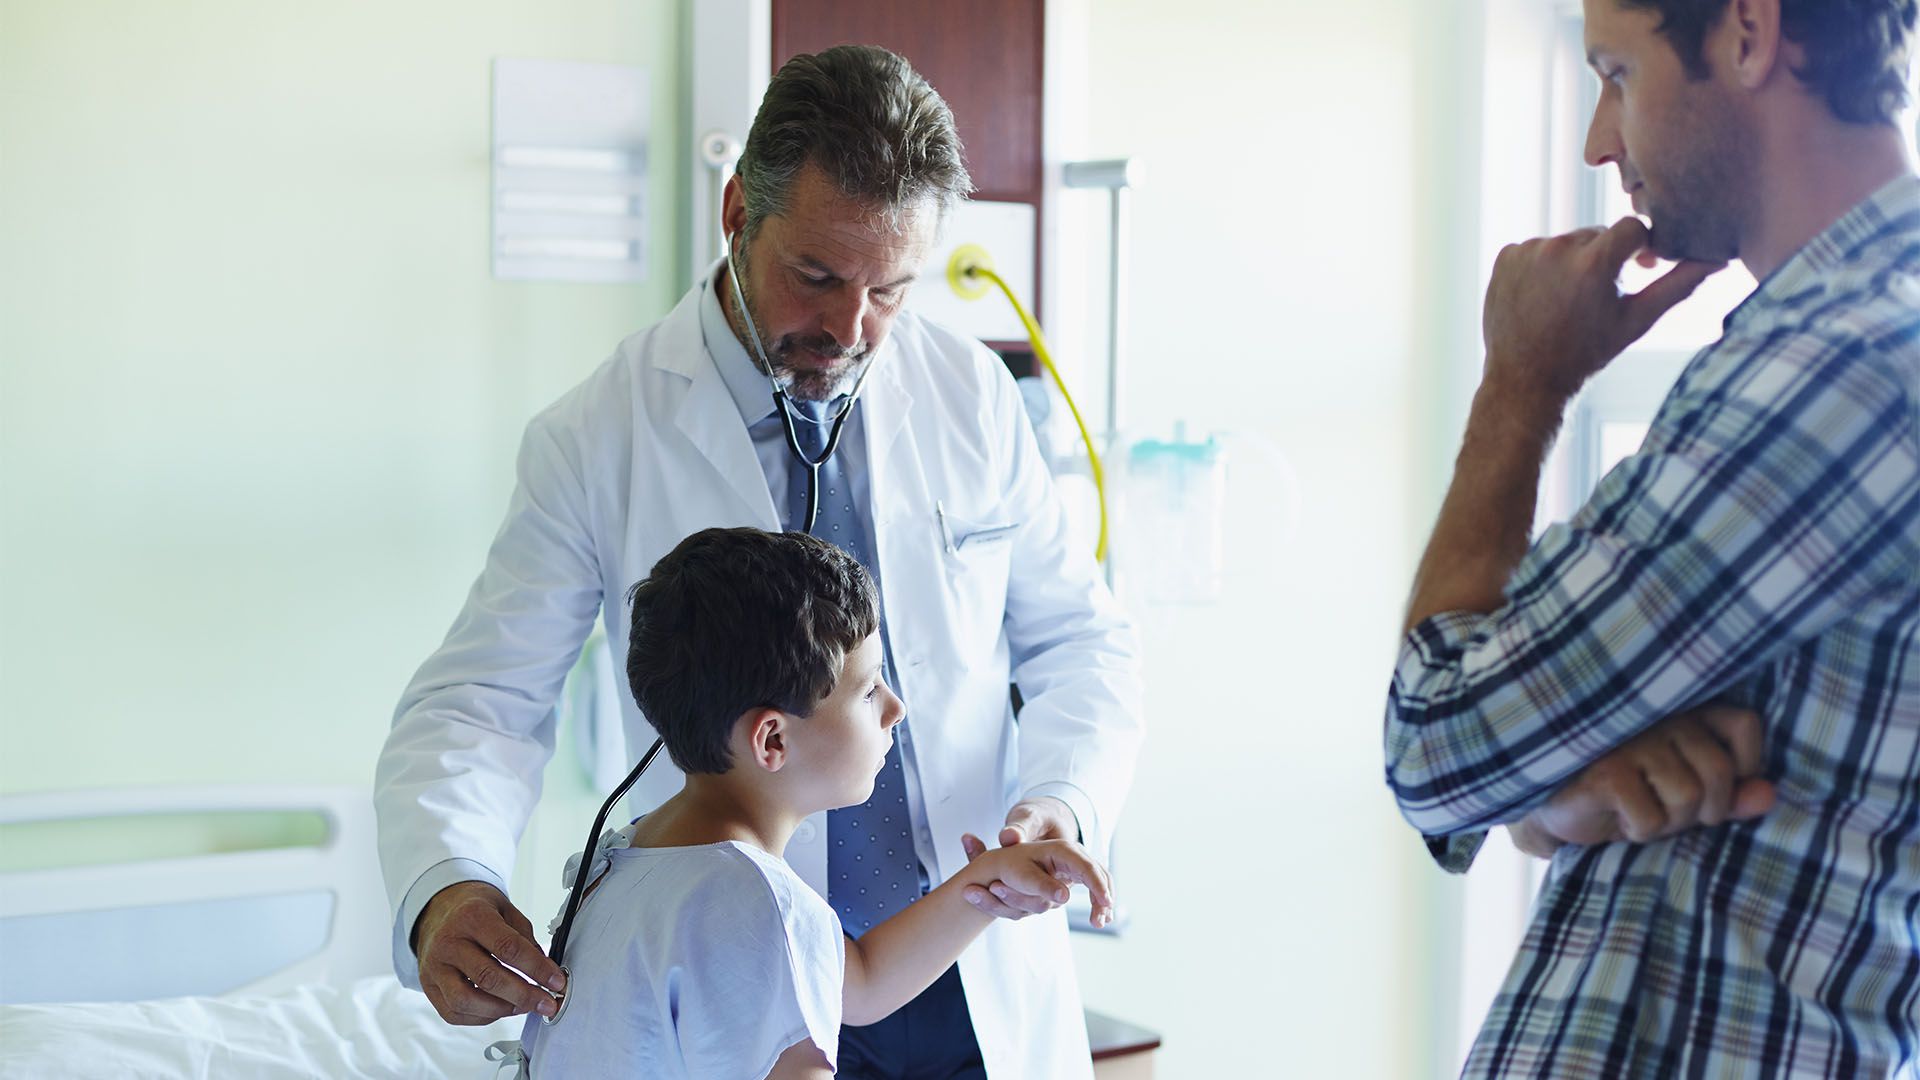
<point x="697" y="952"/>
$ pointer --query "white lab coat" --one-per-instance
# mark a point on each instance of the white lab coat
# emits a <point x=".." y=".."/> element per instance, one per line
<point x="651" y="448"/>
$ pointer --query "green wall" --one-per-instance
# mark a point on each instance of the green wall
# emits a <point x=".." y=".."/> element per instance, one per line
<point x="259" y="394"/>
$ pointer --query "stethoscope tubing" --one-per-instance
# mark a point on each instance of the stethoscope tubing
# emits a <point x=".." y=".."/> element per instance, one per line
<point x="558" y="950"/>
<point x="784" y="407"/>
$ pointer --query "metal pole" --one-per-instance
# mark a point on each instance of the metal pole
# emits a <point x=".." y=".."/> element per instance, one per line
<point x="1116" y="308"/>
<point x="1116" y="175"/>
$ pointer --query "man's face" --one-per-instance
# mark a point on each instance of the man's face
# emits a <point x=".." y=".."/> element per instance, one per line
<point x="1684" y="147"/>
<point x="825" y="280"/>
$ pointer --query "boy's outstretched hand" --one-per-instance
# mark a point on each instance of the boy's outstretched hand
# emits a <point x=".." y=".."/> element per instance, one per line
<point x="1037" y="872"/>
<point x="1040" y="818"/>
<point x="1699" y="767"/>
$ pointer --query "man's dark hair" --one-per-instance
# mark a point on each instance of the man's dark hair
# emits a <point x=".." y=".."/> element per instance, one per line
<point x="1857" y="51"/>
<point x="738" y="619"/>
<point x="863" y="115"/>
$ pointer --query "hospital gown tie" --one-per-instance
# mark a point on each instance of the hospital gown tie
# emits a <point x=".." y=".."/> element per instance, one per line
<point x="872" y="870"/>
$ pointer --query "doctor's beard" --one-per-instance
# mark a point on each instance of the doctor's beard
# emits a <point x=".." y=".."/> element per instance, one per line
<point x="816" y="383"/>
<point x="808" y="383"/>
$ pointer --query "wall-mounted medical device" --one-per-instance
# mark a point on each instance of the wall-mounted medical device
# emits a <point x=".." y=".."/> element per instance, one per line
<point x="569" y="171"/>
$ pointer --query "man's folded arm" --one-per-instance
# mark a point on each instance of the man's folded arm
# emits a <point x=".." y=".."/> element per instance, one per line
<point x="1695" y="562"/>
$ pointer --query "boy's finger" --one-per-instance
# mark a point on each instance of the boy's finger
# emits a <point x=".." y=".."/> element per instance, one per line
<point x="989" y="904"/>
<point x="1075" y="865"/>
<point x="973" y="846"/>
<point x="1030" y="879"/>
<point x="1021" y="899"/>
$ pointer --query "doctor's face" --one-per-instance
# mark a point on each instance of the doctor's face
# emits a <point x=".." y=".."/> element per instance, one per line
<point x="841" y="747"/>
<point x="1684" y="146"/>
<point x="824" y="280"/>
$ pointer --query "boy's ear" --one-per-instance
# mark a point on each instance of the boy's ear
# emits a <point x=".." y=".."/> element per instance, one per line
<point x="765" y="732"/>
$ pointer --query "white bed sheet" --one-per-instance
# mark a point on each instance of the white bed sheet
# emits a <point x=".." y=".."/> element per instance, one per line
<point x="373" y="1027"/>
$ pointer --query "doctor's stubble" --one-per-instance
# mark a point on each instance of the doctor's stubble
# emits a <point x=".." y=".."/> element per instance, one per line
<point x="799" y="384"/>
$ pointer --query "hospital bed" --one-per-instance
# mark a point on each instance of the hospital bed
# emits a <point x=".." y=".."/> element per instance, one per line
<point x="264" y="963"/>
<point x="260" y="963"/>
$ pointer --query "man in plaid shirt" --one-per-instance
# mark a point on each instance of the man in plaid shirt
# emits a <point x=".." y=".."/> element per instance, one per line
<point x="1762" y="549"/>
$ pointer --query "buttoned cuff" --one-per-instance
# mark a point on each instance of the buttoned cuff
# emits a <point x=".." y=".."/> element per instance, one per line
<point x="438" y="876"/>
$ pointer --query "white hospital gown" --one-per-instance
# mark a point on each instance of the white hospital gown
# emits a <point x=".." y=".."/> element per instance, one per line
<point x="704" y="961"/>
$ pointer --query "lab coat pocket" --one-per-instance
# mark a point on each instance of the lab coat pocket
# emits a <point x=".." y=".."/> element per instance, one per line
<point x="978" y="556"/>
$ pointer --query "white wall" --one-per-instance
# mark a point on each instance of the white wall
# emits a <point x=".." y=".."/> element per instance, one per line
<point x="259" y="396"/>
<point x="1281" y="907"/>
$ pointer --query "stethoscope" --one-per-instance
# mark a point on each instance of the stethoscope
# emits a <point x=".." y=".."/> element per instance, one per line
<point x="557" y="951"/>
<point x="784" y="407"/>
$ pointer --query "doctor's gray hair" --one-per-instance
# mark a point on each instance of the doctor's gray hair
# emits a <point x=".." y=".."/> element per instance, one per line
<point x="732" y="620"/>
<point x="868" y="120"/>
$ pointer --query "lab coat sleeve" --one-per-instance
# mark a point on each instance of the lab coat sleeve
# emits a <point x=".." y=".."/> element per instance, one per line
<point x="450" y="872"/>
<point x="1075" y="653"/>
<point x="461" y="769"/>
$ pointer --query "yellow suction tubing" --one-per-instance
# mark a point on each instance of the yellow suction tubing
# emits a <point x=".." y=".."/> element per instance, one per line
<point x="970" y="263"/>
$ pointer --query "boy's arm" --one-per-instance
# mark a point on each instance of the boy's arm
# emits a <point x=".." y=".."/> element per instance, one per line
<point x="902" y="956"/>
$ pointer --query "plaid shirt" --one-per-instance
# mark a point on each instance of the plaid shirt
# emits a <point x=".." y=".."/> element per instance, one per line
<point x="1762" y="548"/>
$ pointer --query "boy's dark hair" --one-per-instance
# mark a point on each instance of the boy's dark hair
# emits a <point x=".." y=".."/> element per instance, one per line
<point x="738" y="619"/>
<point x="1857" y="51"/>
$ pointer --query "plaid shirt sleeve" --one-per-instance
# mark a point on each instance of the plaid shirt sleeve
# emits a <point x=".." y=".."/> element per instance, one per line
<point x="1762" y="508"/>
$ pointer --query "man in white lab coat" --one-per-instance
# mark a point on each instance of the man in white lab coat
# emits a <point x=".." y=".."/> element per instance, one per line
<point x="936" y="485"/>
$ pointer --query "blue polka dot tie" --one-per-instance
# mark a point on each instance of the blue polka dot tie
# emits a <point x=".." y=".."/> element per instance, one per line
<point x="872" y="870"/>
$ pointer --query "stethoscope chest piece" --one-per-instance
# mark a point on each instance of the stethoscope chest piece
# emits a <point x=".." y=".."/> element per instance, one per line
<point x="561" y="998"/>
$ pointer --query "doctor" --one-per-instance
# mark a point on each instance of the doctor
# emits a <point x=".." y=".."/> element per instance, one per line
<point x="936" y="485"/>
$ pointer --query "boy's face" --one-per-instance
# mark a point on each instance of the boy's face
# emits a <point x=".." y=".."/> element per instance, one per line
<point x="842" y="746"/>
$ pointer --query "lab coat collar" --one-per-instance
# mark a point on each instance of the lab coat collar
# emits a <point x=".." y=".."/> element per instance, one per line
<point x="745" y="381"/>
<point x="707" y="414"/>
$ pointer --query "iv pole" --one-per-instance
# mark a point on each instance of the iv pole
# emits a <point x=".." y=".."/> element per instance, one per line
<point x="1116" y="176"/>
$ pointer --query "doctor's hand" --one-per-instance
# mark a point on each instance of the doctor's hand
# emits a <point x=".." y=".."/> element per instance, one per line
<point x="1554" y="312"/>
<point x="1043" y="818"/>
<point x="1696" y="768"/>
<point x="465" y="938"/>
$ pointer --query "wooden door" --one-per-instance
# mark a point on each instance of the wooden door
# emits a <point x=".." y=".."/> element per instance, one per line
<point x="985" y="59"/>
